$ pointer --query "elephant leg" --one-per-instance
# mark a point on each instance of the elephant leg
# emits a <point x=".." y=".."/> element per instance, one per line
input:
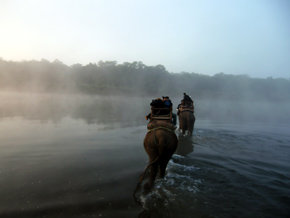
<point x="153" y="173"/>
<point x="191" y="124"/>
<point x="152" y="167"/>
<point x="190" y="128"/>
<point x="163" y="165"/>
<point x="166" y="156"/>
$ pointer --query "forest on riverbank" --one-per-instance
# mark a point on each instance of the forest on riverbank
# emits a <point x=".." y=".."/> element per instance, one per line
<point x="135" y="79"/>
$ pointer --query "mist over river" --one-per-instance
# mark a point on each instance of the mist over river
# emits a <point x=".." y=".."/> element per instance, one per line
<point x="81" y="156"/>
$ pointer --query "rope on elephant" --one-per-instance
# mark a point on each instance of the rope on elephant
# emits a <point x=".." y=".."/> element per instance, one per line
<point x="190" y="110"/>
<point x="186" y="108"/>
<point x="182" y="109"/>
<point x="161" y="127"/>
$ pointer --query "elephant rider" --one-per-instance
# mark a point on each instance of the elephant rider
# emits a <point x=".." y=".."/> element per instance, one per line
<point x="158" y="103"/>
<point x="168" y="103"/>
<point x="165" y="102"/>
<point x="187" y="99"/>
<point x="185" y="104"/>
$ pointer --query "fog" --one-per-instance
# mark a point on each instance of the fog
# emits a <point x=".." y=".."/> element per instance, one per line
<point x="109" y="92"/>
<point x="116" y="111"/>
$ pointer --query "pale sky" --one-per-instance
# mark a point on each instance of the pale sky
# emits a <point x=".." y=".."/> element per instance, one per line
<point x="204" y="36"/>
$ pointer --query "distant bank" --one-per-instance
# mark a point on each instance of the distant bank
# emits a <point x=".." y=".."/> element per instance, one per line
<point x="135" y="79"/>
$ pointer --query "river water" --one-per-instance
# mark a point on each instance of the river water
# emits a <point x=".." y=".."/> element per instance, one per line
<point x="82" y="158"/>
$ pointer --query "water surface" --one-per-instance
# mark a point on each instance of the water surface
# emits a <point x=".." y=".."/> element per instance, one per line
<point x="83" y="158"/>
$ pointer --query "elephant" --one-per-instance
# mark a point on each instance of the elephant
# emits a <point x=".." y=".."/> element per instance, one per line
<point x="186" y="121"/>
<point x="160" y="144"/>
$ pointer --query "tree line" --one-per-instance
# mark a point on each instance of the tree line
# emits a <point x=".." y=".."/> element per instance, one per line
<point x="135" y="79"/>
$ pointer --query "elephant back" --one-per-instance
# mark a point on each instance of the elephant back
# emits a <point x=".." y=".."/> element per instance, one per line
<point x="156" y="124"/>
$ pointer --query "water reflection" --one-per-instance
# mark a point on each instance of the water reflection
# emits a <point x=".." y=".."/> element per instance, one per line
<point x="185" y="145"/>
<point x="90" y="109"/>
<point x="94" y="109"/>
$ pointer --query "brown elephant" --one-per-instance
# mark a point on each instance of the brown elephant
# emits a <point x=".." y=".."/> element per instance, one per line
<point x="160" y="144"/>
<point x="186" y="121"/>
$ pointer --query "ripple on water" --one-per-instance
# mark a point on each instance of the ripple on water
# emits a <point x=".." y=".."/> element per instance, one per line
<point x="172" y="194"/>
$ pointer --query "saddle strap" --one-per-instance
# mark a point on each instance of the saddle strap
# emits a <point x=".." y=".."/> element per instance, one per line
<point x="191" y="110"/>
<point x="161" y="127"/>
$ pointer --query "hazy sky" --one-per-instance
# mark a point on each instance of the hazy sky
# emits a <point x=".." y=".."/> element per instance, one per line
<point x="203" y="36"/>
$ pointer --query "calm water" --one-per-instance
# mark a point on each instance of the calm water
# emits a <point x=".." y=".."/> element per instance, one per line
<point x="83" y="160"/>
